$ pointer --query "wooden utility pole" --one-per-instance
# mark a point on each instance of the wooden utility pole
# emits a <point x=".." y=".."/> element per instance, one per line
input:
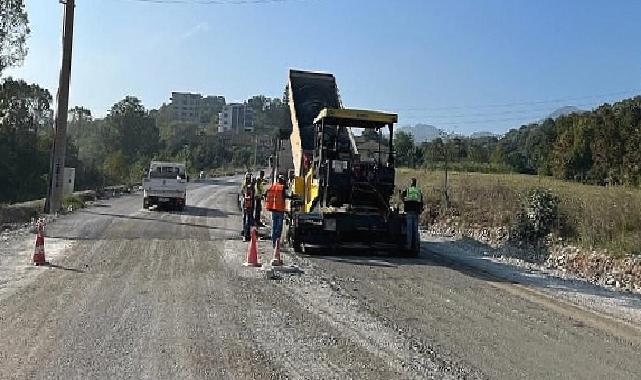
<point x="446" y="195"/>
<point x="256" y="152"/>
<point x="57" y="170"/>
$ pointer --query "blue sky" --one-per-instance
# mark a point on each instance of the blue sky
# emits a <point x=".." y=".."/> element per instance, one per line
<point x="461" y="65"/>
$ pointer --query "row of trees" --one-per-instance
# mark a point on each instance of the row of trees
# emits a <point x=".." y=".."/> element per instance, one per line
<point x="118" y="148"/>
<point x="602" y="146"/>
<point x="113" y="150"/>
<point x="24" y="140"/>
<point x="462" y="152"/>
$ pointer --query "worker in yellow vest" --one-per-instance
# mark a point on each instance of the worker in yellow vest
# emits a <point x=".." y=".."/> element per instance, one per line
<point x="413" y="206"/>
<point x="275" y="202"/>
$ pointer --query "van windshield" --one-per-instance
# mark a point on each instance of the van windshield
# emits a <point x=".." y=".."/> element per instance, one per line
<point x="165" y="172"/>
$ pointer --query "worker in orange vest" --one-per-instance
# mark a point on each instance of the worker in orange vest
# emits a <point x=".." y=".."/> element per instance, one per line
<point x="275" y="203"/>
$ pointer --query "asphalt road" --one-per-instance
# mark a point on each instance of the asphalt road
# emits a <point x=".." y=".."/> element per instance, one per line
<point x="157" y="295"/>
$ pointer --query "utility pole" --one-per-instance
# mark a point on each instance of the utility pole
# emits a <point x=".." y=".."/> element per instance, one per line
<point x="446" y="196"/>
<point x="256" y="152"/>
<point x="57" y="170"/>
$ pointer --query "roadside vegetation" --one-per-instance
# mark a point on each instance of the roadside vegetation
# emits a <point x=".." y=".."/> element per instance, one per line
<point x="591" y="216"/>
<point x="599" y="147"/>
<point x="114" y="150"/>
<point x="574" y="178"/>
<point x="74" y="202"/>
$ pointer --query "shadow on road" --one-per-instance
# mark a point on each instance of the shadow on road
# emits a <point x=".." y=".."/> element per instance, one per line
<point x="217" y="182"/>
<point x="50" y="265"/>
<point x="426" y="257"/>
<point x="155" y="220"/>
<point x="204" y="211"/>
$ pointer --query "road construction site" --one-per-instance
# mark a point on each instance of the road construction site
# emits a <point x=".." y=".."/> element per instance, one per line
<point x="133" y="293"/>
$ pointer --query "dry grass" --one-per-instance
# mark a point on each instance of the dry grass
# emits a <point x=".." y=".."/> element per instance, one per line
<point x="601" y="217"/>
<point x="21" y="212"/>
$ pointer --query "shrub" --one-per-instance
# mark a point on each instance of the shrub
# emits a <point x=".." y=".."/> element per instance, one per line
<point x="74" y="201"/>
<point x="539" y="215"/>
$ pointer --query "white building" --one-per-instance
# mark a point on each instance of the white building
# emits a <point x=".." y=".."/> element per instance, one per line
<point x="192" y="108"/>
<point x="236" y="117"/>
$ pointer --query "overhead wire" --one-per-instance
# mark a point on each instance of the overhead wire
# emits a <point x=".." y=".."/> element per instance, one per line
<point x="506" y="112"/>
<point x="523" y="103"/>
<point x="534" y="114"/>
<point x="211" y="2"/>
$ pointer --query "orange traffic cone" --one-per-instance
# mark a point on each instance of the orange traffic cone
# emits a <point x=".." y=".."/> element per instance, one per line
<point x="277" y="261"/>
<point x="252" y="251"/>
<point x="39" y="252"/>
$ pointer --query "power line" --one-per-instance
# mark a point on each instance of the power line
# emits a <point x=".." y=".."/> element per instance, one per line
<point x="523" y="103"/>
<point x="486" y="114"/>
<point x="451" y="122"/>
<point x="467" y="122"/>
<point x="212" y="2"/>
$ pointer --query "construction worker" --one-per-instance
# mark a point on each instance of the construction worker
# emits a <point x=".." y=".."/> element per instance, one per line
<point x="259" y="194"/>
<point x="275" y="203"/>
<point x="413" y="205"/>
<point x="247" y="204"/>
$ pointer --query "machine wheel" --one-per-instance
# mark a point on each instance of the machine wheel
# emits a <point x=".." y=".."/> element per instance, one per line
<point x="292" y="240"/>
<point x="145" y="202"/>
<point x="411" y="253"/>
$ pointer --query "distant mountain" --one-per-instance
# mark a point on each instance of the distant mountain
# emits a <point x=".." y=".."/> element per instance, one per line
<point x="422" y="132"/>
<point x="564" y="111"/>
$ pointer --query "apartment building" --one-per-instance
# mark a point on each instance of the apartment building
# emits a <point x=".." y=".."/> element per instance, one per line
<point x="236" y="117"/>
<point x="194" y="108"/>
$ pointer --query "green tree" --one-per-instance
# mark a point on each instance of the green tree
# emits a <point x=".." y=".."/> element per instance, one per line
<point x="25" y="138"/>
<point x="434" y="151"/>
<point x="116" y="168"/>
<point x="177" y="135"/>
<point x="136" y="133"/>
<point x="498" y="155"/>
<point x="14" y="29"/>
<point x="78" y="119"/>
<point x="404" y="147"/>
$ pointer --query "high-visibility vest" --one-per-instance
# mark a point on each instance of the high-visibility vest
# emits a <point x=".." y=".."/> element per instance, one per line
<point x="413" y="194"/>
<point x="248" y="194"/>
<point x="260" y="188"/>
<point x="248" y="199"/>
<point x="275" y="197"/>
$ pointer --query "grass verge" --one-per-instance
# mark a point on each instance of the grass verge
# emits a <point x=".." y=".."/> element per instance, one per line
<point x="21" y="212"/>
<point x="592" y="216"/>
